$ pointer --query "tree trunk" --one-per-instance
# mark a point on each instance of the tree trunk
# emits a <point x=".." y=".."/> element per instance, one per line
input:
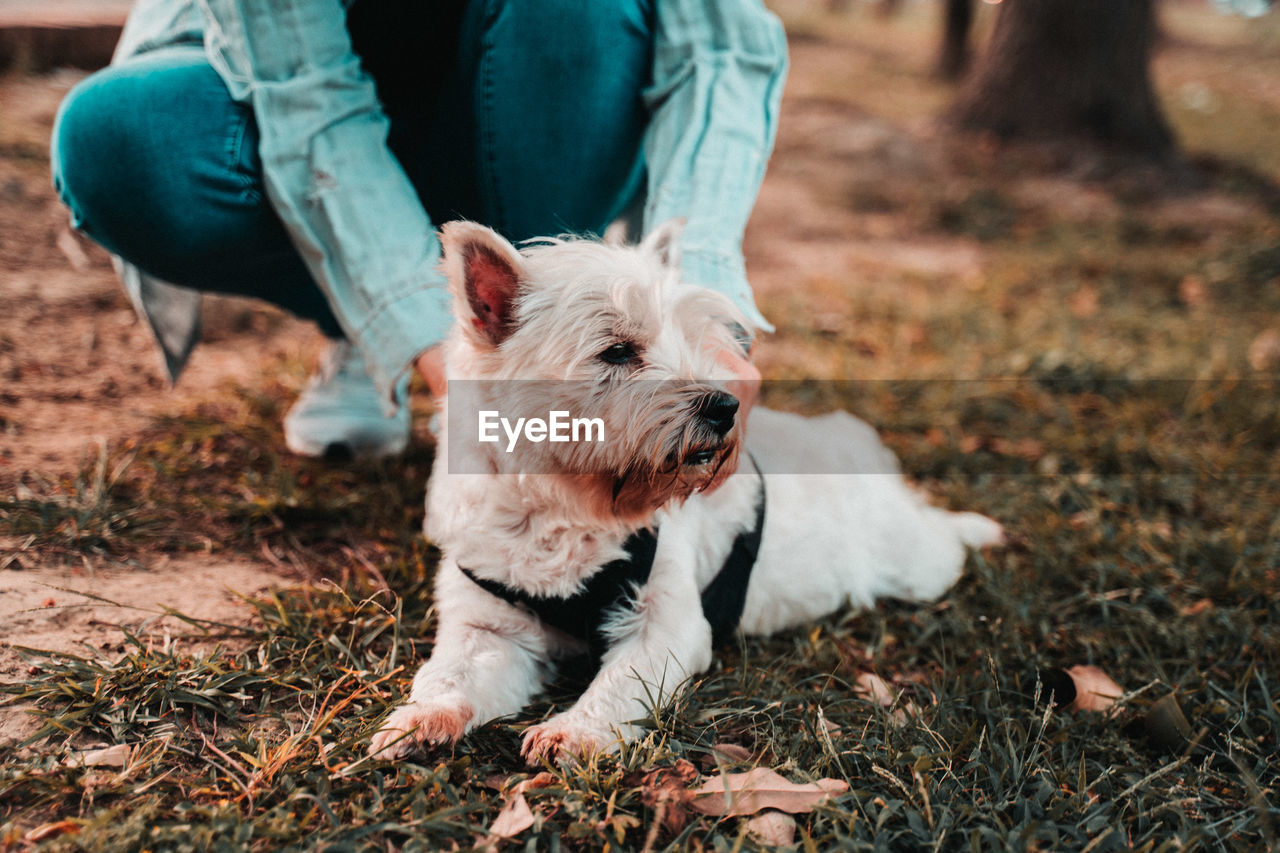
<point x="957" y="21"/>
<point x="1069" y="68"/>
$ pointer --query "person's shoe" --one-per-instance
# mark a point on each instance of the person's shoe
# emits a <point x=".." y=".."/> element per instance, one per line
<point x="339" y="414"/>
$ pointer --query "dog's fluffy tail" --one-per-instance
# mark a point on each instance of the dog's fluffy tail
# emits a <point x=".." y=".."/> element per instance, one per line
<point x="974" y="530"/>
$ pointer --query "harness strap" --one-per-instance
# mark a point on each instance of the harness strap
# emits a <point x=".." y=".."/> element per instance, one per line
<point x="726" y="595"/>
<point x="582" y="614"/>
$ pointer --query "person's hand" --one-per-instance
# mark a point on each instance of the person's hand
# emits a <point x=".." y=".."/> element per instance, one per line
<point x="431" y="366"/>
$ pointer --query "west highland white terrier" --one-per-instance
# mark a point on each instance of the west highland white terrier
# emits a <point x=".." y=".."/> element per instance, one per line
<point x="655" y="533"/>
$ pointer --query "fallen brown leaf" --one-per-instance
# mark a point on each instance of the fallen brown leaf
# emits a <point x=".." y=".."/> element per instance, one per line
<point x="731" y="752"/>
<point x="736" y="794"/>
<point x="112" y="756"/>
<point x="515" y="818"/>
<point x="1095" y="690"/>
<point x="773" y="828"/>
<point x="872" y="687"/>
<point x="666" y="791"/>
<point x="539" y="780"/>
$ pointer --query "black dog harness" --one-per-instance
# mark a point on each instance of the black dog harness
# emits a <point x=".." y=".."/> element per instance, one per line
<point x="582" y="615"/>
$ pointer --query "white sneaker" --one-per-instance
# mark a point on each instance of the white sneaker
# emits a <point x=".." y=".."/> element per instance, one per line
<point x="339" y="414"/>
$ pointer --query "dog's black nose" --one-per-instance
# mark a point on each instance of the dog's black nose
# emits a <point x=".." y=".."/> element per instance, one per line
<point x="718" y="409"/>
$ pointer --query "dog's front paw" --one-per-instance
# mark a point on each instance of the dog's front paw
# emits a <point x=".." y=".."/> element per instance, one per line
<point x="420" y="724"/>
<point x="564" y="739"/>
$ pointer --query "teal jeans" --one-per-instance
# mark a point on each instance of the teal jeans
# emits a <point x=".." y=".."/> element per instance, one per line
<point x="159" y="165"/>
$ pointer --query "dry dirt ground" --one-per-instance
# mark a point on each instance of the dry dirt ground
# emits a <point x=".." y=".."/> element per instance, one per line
<point x="77" y="373"/>
<point x="77" y="370"/>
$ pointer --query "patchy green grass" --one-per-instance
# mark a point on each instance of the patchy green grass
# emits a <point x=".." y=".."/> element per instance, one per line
<point x="1100" y="388"/>
<point x="90" y="514"/>
<point x="209" y="480"/>
<point x="259" y="743"/>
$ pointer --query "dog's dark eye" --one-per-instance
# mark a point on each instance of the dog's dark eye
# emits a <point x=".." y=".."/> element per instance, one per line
<point x="619" y="353"/>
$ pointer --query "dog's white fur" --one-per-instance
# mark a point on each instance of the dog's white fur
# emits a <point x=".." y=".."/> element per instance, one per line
<point x="830" y="540"/>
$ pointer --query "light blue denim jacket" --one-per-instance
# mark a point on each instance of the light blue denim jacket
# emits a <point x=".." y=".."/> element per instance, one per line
<point x="718" y="73"/>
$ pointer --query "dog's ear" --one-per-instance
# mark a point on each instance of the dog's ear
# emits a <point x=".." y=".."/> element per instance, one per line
<point x="664" y="241"/>
<point x="485" y="273"/>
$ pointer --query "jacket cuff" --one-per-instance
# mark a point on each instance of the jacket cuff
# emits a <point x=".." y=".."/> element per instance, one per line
<point x="398" y="333"/>
<point x="724" y="272"/>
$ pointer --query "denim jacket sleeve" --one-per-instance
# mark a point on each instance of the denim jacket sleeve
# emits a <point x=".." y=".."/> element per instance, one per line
<point x="347" y="203"/>
<point x="718" y="71"/>
<point x="719" y="67"/>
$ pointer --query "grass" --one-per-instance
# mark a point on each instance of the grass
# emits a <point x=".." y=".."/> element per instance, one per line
<point x="259" y="743"/>
<point x="90" y="514"/>
<point x="1093" y="388"/>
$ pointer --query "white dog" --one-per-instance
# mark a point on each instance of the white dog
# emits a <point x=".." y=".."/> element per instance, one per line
<point x="618" y="545"/>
